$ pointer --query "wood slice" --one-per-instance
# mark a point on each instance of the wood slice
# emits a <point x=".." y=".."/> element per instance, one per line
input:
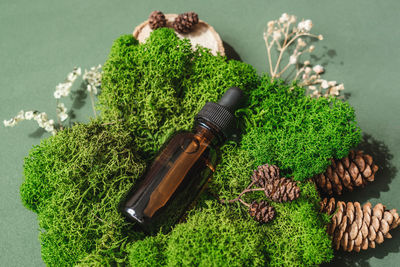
<point x="202" y="34"/>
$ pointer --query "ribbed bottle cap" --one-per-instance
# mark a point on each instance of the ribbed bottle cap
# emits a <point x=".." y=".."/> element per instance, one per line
<point x="221" y="114"/>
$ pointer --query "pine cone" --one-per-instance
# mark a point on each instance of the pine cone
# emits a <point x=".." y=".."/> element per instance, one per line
<point x="354" y="170"/>
<point x="282" y="190"/>
<point x="262" y="212"/>
<point x="183" y="23"/>
<point x="265" y="174"/>
<point x="157" y="20"/>
<point x="354" y="227"/>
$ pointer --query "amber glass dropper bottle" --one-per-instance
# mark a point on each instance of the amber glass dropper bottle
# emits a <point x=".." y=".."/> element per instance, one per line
<point x="182" y="168"/>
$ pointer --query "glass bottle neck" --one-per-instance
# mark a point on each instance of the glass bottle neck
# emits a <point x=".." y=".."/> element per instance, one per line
<point x="209" y="131"/>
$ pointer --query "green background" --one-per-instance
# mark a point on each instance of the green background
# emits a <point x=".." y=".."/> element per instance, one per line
<point x="41" y="41"/>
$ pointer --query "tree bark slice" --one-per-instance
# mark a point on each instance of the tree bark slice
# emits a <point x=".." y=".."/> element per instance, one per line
<point x="202" y="34"/>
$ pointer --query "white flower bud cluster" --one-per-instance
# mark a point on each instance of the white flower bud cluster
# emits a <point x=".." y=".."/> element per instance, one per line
<point x="61" y="112"/>
<point x="317" y="86"/>
<point x="305" y="25"/>
<point x="93" y="79"/>
<point x="285" y="32"/>
<point x="63" y="89"/>
<point x="40" y="117"/>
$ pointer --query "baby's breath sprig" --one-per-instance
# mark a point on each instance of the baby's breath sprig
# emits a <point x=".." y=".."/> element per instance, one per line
<point x="286" y="33"/>
<point x="93" y="80"/>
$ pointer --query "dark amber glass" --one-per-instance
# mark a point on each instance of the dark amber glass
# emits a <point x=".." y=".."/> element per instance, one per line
<point x="175" y="178"/>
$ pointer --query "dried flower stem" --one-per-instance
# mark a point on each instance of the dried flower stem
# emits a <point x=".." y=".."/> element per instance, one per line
<point x="92" y="101"/>
<point x="283" y="33"/>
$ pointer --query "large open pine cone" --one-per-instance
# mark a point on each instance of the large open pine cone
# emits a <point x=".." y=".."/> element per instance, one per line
<point x="282" y="190"/>
<point x="352" y="171"/>
<point x="183" y="23"/>
<point x="265" y="174"/>
<point x="354" y="227"/>
<point x="157" y="20"/>
<point x="262" y="212"/>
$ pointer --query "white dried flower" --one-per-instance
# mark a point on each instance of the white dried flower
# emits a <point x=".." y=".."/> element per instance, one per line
<point x="276" y="35"/>
<point x="270" y="26"/>
<point x="340" y="86"/>
<point x="57" y="94"/>
<point x="306" y="63"/>
<point x="61" y="112"/>
<point x="332" y="83"/>
<point x="292" y="60"/>
<point x="311" y="48"/>
<point x="91" y="88"/>
<point x="49" y="125"/>
<point x="20" y="116"/>
<point x="320" y="37"/>
<point x="93" y="78"/>
<point x="284" y="18"/>
<point x="63" y="89"/>
<point x="316" y="93"/>
<point x="63" y="116"/>
<point x="29" y="115"/>
<point x="305" y="25"/>
<point x="312" y="87"/>
<point x="324" y="84"/>
<point x="74" y="74"/>
<point x="43" y="116"/>
<point x="318" y="69"/>
<point x="301" y="43"/>
<point x="292" y="19"/>
<point x="10" y="123"/>
<point x="41" y="119"/>
<point x="334" y="91"/>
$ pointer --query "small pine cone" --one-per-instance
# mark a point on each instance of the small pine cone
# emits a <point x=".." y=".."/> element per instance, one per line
<point x="183" y="23"/>
<point x="282" y="190"/>
<point x="353" y="227"/>
<point x="157" y="20"/>
<point x="262" y="212"/>
<point x="265" y="174"/>
<point x="352" y="171"/>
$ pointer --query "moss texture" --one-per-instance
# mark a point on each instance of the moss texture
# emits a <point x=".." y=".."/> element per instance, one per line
<point x="213" y="235"/>
<point x="297" y="236"/>
<point x="75" y="180"/>
<point x="158" y="87"/>
<point x="298" y="133"/>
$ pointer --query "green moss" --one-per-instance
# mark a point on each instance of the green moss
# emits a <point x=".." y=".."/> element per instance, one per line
<point x="158" y="87"/>
<point x="212" y="236"/>
<point x="297" y="236"/>
<point x="298" y="133"/>
<point x="148" y="252"/>
<point x="74" y="181"/>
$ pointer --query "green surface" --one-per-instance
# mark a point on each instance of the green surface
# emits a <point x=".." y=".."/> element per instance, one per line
<point x="41" y="41"/>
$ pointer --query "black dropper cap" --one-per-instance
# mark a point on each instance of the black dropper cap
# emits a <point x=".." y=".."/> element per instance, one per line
<point x="221" y="114"/>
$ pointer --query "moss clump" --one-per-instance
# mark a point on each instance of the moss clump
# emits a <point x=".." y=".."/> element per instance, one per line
<point x="148" y="252"/>
<point x="297" y="236"/>
<point x="158" y="87"/>
<point x="212" y="236"/>
<point x="75" y="181"/>
<point x="298" y="133"/>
